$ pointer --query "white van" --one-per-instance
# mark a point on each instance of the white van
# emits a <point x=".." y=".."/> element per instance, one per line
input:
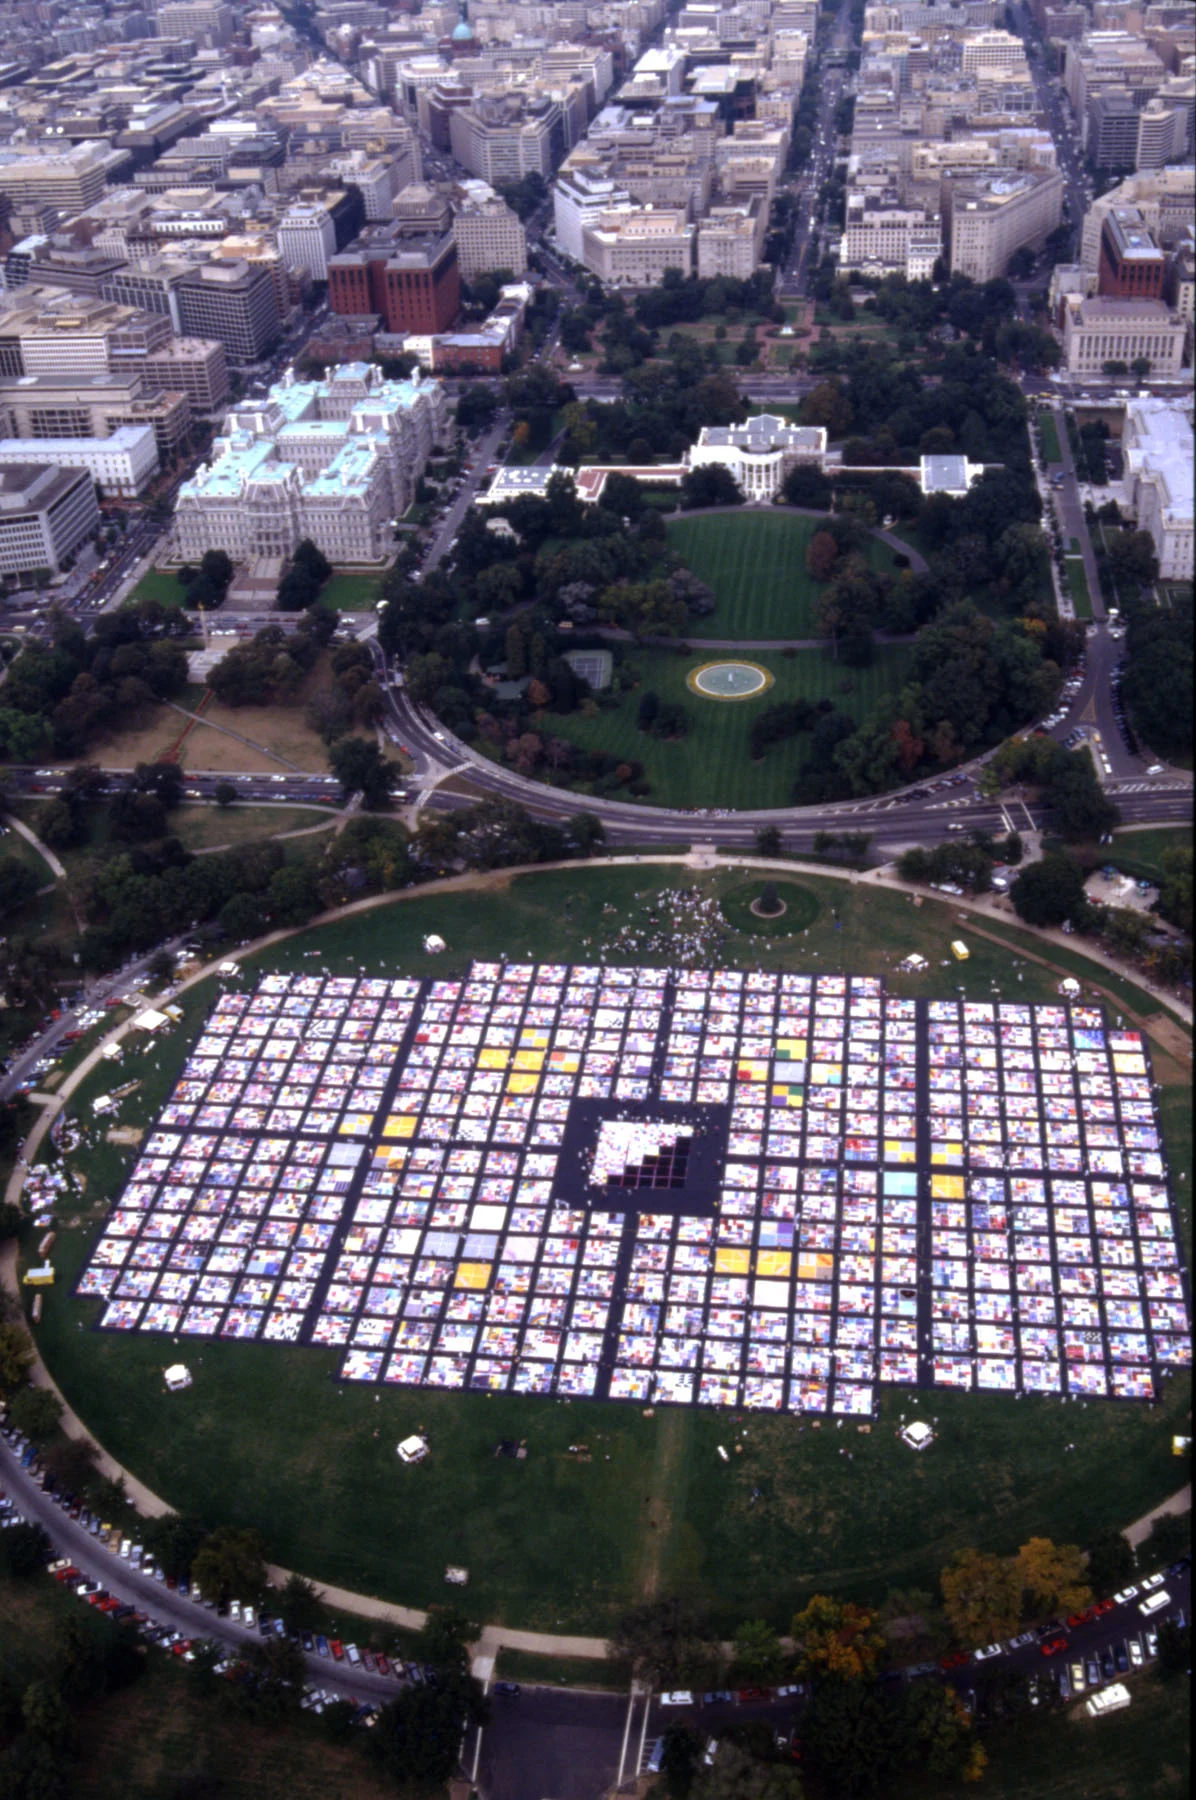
<point x="1155" y="1603"/>
<point x="1110" y="1699"/>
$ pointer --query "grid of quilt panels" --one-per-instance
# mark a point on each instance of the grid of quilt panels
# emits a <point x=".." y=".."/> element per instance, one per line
<point x="710" y="1187"/>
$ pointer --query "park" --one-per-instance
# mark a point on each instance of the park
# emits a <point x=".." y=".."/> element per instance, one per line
<point x="266" y="1437"/>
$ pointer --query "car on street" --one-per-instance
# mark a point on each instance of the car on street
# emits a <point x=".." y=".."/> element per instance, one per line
<point x="1051" y="1646"/>
<point x="677" y="1697"/>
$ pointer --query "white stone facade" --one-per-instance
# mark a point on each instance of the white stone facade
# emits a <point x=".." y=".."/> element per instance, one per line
<point x="1157" y="445"/>
<point x="759" y="453"/>
<point x="334" y="460"/>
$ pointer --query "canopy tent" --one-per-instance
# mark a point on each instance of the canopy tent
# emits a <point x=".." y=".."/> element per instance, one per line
<point x="177" y="1377"/>
<point x="149" y="1020"/>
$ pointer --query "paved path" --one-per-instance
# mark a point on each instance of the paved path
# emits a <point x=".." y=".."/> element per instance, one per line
<point x="151" y="1505"/>
<point x="1179" y="1503"/>
<point x="30" y="836"/>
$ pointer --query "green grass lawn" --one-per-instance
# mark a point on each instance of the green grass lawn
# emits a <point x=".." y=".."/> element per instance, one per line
<point x="158" y="584"/>
<point x="711" y="765"/>
<point x="211" y="827"/>
<point x="1049" y="438"/>
<point x="351" y="590"/>
<point x="756" y="564"/>
<point x="1139" y="853"/>
<point x="1077" y="583"/>
<point x="265" y="1438"/>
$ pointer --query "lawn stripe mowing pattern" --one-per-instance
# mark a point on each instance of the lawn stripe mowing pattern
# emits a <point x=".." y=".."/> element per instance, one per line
<point x="711" y="765"/>
<point x="1077" y="583"/>
<point x="1051" y="453"/>
<point x="266" y="1438"/>
<point x="756" y="564"/>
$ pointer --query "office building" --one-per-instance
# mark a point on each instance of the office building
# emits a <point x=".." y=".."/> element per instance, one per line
<point x="46" y="513"/>
<point x="412" y="280"/>
<point x="68" y="177"/>
<point x="335" y="460"/>
<point x="196" y="367"/>
<point x="1164" y="133"/>
<point x="731" y="240"/>
<point x="306" y="239"/>
<point x="1156" y="444"/>
<point x="987" y="218"/>
<point x="633" y="246"/>
<point x="579" y="198"/>
<point x="488" y="235"/>
<point x="121" y="465"/>
<point x="1099" y="330"/>
<point x="505" y="136"/>
<point x="1131" y="264"/>
<point x="234" y="303"/>
<point x="210" y="25"/>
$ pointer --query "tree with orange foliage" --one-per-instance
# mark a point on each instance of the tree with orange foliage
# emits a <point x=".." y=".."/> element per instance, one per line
<point x="837" y="1639"/>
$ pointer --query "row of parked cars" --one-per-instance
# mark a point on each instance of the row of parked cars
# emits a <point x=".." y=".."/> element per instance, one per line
<point x="169" y="1638"/>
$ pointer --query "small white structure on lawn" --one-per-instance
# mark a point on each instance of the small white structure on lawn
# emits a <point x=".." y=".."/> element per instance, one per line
<point x="914" y="963"/>
<point x="1069" y="987"/>
<point x="916" y="1434"/>
<point x="229" y="968"/>
<point x="434" y="944"/>
<point x="113" y="1052"/>
<point x="177" y="1377"/>
<point x="149" y="1020"/>
<point x="413" y="1449"/>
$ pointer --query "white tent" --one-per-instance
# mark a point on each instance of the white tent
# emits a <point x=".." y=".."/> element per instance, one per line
<point x="149" y="1020"/>
<point x="1069" y="987"/>
<point x="413" y="1449"/>
<point x="917" y="1435"/>
<point x="229" y="968"/>
<point x="177" y="1377"/>
<point x="433" y="944"/>
<point x="913" y="962"/>
<point x="113" y="1052"/>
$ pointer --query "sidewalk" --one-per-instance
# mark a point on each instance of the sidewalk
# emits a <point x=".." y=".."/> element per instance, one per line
<point x="1140" y="1530"/>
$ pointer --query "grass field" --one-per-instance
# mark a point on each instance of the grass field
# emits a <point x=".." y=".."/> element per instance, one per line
<point x="1049" y="437"/>
<point x="756" y="564"/>
<point x="212" y="827"/>
<point x="351" y="590"/>
<point x="159" y="584"/>
<point x="264" y="1437"/>
<point x="1139" y="853"/>
<point x="1077" y="583"/>
<point x="711" y="765"/>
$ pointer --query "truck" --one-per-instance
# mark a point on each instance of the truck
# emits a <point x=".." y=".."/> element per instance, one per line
<point x="1110" y="1699"/>
<point x="959" y="950"/>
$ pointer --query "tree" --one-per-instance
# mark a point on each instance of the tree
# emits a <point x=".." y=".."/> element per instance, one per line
<point x="47" y="1716"/>
<point x="24" y="1549"/>
<point x="709" y="485"/>
<point x="360" y="767"/>
<point x="71" y="1461"/>
<point x="768" y="840"/>
<point x="756" y="1654"/>
<point x="666" y="1642"/>
<point x="243" y="917"/>
<point x="737" y="1774"/>
<point x="231" y="1562"/>
<point x="1175" y="1647"/>
<point x="174" y="1539"/>
<point x="822" y="553"/>
<point x="982" y="1597"/>
<point x="16" y="1354"/>
<point x="836" y="1640"/>
<point x="1052" y="1576"/>
<point x="1133" y="559"/>
<point x="18" y="884"/>
<point x="1048" y="892"/>
<point x="1111" y="1562"/>
<point x="35" y="1411"/>
<point x="224" y="793"/>
<point x="300" y="1604"/>
<point x="1170" y="1538"/>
